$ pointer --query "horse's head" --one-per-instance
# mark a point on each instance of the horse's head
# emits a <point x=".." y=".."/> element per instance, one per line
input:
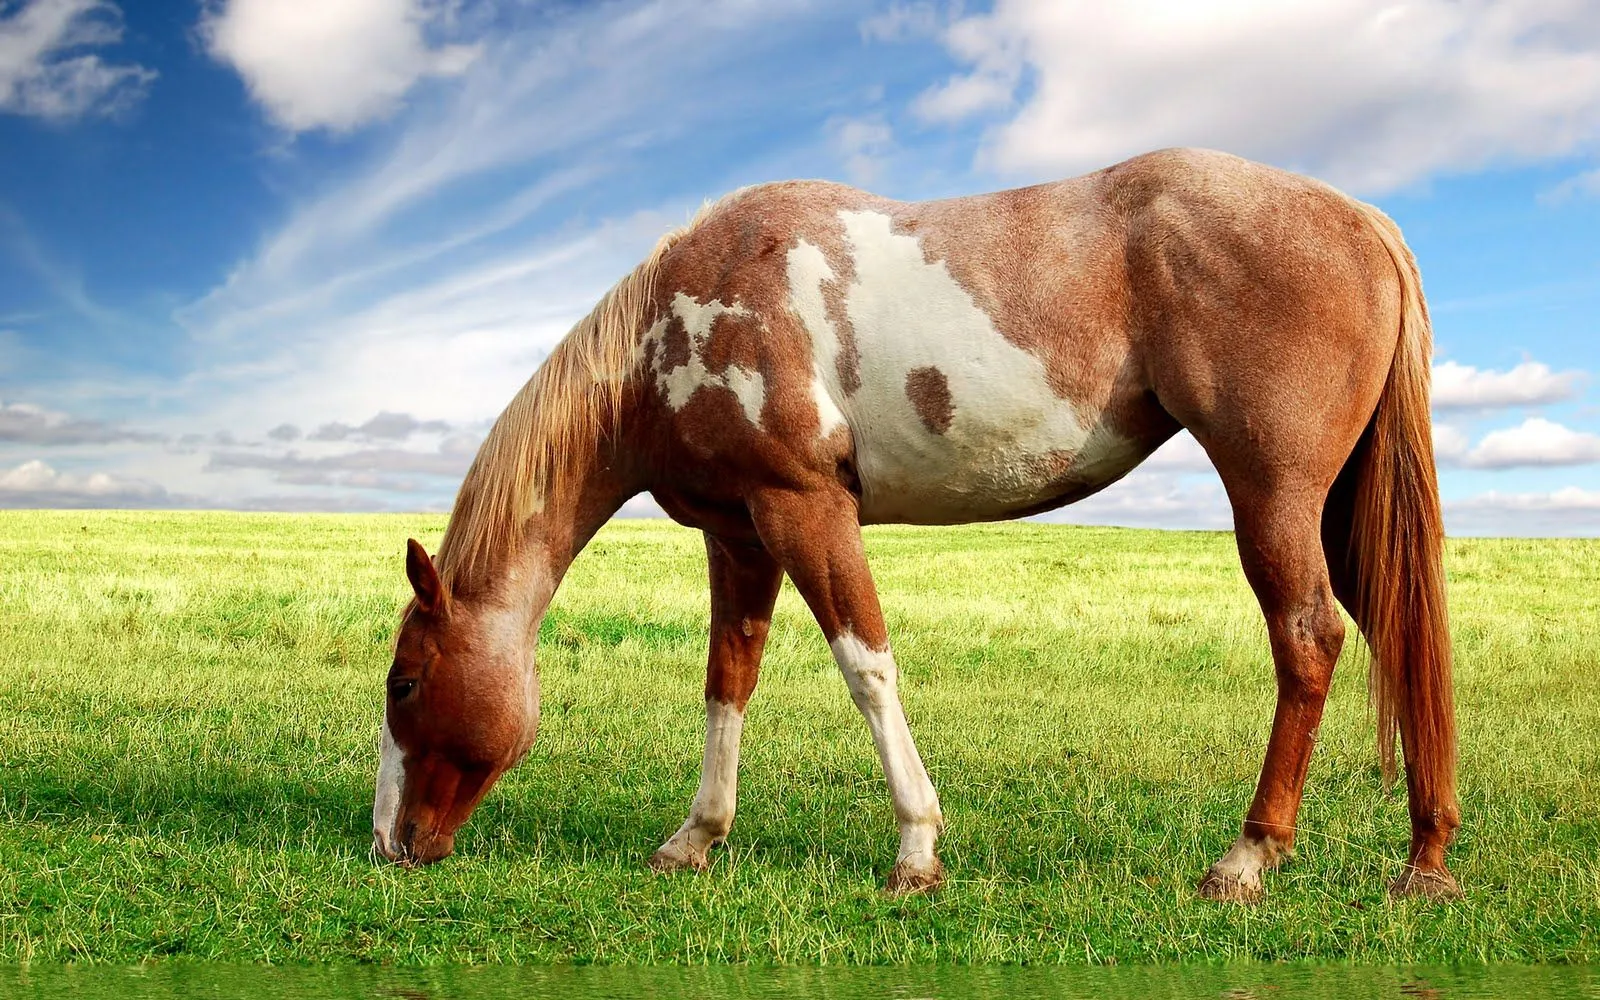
<point x="462" y="706"/>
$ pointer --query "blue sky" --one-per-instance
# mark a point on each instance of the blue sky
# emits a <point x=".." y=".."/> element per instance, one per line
<point x="274" y="254"/>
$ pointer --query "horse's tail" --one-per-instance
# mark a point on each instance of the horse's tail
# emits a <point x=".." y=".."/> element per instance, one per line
<point x="1383" y="534"/>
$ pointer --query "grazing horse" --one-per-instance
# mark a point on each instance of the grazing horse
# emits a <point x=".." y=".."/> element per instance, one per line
<point x="804" y="358"/>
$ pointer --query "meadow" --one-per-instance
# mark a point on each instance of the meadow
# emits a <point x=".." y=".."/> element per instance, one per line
<point x="189" y="706"/>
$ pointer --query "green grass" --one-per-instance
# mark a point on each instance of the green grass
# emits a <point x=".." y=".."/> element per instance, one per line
<point x="189" y="705"/>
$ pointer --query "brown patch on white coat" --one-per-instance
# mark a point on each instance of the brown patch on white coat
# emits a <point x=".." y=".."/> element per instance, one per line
<point x="929" y="392"/>
<point x="806" y="358"/>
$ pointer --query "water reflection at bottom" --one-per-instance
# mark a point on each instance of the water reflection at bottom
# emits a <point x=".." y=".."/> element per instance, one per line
<point x="1243" y="982"/>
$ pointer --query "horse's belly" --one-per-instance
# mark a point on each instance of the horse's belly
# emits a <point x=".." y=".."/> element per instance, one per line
<point x="950" y="420"/>
<point x="983" y="472"/>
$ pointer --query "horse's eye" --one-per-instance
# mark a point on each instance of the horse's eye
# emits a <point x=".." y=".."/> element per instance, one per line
<point x="401" y="687"/>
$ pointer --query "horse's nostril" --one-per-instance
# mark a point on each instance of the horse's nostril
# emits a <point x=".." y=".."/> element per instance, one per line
<point x="381" y="845"/>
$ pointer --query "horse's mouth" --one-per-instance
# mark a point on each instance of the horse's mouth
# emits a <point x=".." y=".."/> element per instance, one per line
<point x="406" y="854"/>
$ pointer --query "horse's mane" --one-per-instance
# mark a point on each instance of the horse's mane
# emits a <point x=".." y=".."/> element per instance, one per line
<point x="558" y="417"/>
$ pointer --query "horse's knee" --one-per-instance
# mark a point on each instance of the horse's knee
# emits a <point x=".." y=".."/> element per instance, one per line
<point x="870" y="673"/>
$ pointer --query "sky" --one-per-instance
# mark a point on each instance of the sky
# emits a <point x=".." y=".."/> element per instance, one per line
<point x="298" y="254"/>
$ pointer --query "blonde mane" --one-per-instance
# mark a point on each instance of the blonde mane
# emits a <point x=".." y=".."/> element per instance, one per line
<point x="573" y="400"/>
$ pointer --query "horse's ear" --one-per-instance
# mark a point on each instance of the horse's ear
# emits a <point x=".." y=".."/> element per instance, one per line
<point x="424" y="578"/>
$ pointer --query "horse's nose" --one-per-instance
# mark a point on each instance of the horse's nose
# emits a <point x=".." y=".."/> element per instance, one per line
<point x="384" y="846"/>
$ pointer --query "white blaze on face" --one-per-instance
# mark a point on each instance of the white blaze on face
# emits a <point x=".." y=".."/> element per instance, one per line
<point x="681" y="382"/>
<point x="1007" y="422"/>
<point x="386" y="804"/>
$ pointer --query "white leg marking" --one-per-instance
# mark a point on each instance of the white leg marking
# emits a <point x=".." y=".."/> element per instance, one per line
<point x="386" y="803"/>
<point x="711" y="816"/>
<point x="1243" y="864"/>
<point x="872" y="677"/>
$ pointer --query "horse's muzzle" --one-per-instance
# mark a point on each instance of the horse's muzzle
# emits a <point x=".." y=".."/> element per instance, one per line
<point x="412" y="851"/>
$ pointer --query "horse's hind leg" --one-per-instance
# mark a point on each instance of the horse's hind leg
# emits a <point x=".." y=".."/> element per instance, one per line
<point x="744" y="587"/>
<point x="1280" y="545"/>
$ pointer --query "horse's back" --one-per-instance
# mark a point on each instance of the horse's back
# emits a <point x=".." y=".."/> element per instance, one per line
<point x="1003" y="353"/>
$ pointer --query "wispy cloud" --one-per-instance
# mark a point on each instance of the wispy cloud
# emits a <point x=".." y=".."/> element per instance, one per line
<point x="27" y="424"/>
<point x="1584" y="185"/>
<point x="47" y="70"/>
<point x="386" y="426"/>
<point x="595" y="86"/>
<point x="63" y="282"/>
<point x="365" y="468"/>
<point x="433" y="277"/>
<point x="864" y="143"/>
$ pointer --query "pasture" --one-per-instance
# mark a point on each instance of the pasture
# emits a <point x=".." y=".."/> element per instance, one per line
<point x="189" y="706"/>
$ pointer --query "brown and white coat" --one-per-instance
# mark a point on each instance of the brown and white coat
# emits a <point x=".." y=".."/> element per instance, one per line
<point x="806" y="358"/>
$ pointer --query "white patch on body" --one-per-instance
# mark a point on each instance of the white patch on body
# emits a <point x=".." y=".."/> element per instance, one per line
<point x="873" y="678"/>
<point x="808" y="268"/>
<point x="711" y="816"/>
<point x="680" y="383"/>
<point x="386" y="803"/>
<point x="829" y="418"/>
<point x="1010" y="437"/>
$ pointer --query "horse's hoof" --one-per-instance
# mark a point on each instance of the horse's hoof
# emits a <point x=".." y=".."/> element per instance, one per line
<point x="1230" y="887"/>
<point x="1436" y="884"/>
<point x="908" y="880"/>
<point x="677" y="856"/>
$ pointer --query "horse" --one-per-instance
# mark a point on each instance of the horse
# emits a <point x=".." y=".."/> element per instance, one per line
<point x="804" y="358"/>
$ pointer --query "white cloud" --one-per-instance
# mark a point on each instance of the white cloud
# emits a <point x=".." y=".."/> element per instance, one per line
<point x="45" y="70"/>
<point x="35" y="484"/>
<point x="1450" y="443"/>
<point x="1570" y="510"/>
<point x="1182" y="453"/>
<point x="1371" y="94"/>
<point x="1458" y="386"/>
<point x="562" y="105"/>
<point x="1535" y="441"/>
<point x="1154" y="497"/>
<point x="406" y="285"/>
<point x="336" y="64"/>
<point x="863" y="143"/>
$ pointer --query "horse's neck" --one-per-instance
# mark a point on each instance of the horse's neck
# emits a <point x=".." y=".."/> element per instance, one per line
<point x="527" y="575"/>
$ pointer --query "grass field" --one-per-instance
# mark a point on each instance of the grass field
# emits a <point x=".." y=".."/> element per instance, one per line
<point x="189" y="706"/>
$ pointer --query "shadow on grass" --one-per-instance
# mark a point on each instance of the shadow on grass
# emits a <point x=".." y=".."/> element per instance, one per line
<point x="196" y="808"/>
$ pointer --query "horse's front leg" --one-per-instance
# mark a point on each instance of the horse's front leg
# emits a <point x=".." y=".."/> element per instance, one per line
<point x="744" y="587"/>
<point x="816" y="538"/>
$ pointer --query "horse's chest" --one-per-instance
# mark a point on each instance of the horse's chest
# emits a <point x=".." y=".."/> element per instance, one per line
<point x="951" y="421"/>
